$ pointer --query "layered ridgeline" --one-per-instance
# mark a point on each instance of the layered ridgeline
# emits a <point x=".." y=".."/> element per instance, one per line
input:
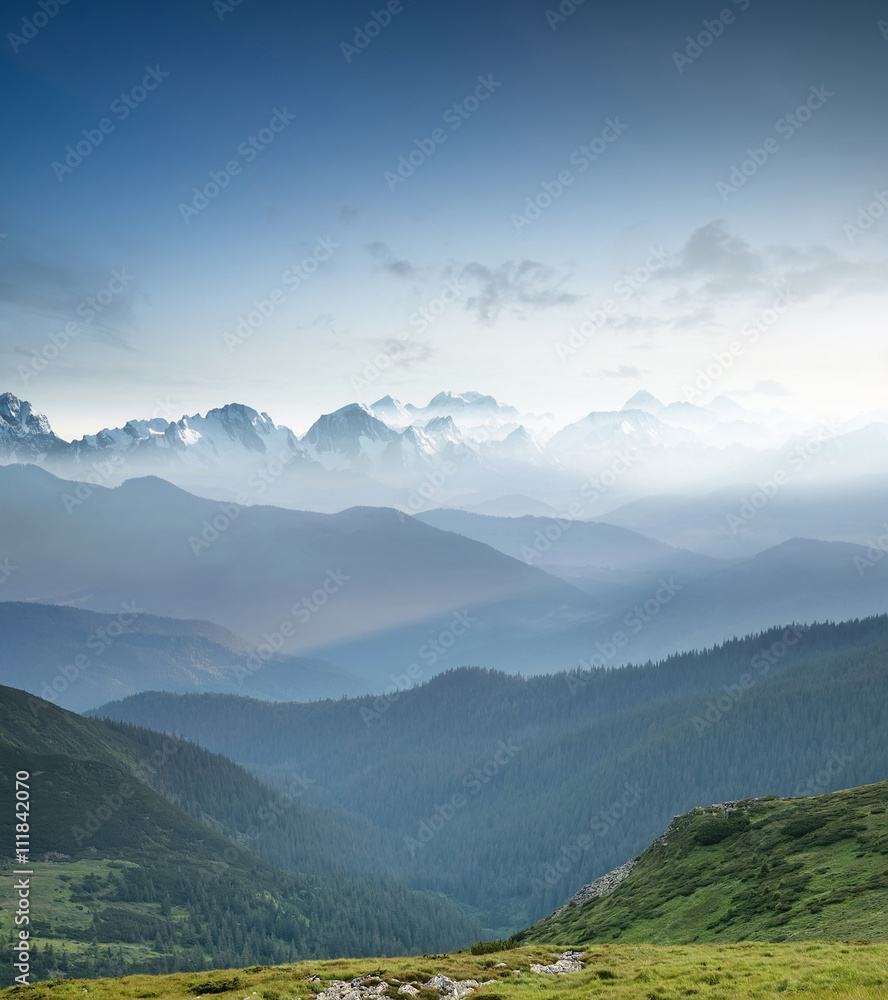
<point x="134" y="871"/>
<point x="755" y="870"/>
<point x="508" y="793"/>
<point x="79" y="659"/>
<point x="370" y="592"/>
<point x="365" y="589"/>
<point x="467" y="450"/>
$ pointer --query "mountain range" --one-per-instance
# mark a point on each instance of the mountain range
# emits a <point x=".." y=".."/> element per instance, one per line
<point x="507" y="794"/>
<point x="470" y="451"/>
<point x="375" y="600"/>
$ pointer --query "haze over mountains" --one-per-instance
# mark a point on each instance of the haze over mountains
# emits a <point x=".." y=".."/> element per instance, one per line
<point x="470" y="451"/>
<point x="380" y="599"/>
<point x="564" y="777"/>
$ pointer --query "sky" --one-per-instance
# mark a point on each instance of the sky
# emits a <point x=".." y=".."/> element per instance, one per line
<point x="301" y="205"/>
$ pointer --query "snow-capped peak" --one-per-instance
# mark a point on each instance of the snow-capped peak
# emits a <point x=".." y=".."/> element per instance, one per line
<point x="643" y="400"/>
<point x="18" y="415"/>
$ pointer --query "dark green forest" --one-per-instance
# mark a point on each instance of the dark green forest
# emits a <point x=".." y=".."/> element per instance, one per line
<point x="507" y="794"/>
<point x="164" y="892"/>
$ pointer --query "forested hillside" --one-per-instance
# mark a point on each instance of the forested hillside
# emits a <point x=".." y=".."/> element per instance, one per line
<point x="125" y="880"/>
<point x="508" y="793"/>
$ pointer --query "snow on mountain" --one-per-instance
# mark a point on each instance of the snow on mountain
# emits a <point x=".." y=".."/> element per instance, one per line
<point x="230" y="433"/>
<point x="461" y="449"/>
<point x="467" y="409"/>
<point x="392" y="412"/>
<point x="350" y="434"/>
<point x="598" y="436"/>
<point x="643" y="400"/>
<point x="25" y="434"/>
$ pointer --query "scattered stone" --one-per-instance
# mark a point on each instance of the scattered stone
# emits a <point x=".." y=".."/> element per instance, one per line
<point x="500" y="965"/>
<point x="338" y="989"/>
<point x="450" y="989"/>
<point x="442" y="984"/>
<point x="567" y="962"/>
<point x="408" y="991"/>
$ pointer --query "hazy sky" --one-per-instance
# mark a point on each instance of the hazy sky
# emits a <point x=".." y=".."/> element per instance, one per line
<point x="553" y="155"/>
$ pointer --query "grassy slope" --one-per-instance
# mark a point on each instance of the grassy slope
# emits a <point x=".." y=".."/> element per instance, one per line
<point x="798" y="869"/>
<point x="821" y="971"/>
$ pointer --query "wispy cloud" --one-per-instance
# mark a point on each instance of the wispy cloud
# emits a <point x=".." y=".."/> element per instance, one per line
<point x="383" y="254"/>
<point x="520" y="287"/>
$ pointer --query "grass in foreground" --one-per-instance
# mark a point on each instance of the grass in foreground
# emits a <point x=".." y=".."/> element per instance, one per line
<point x="829" y="970"/>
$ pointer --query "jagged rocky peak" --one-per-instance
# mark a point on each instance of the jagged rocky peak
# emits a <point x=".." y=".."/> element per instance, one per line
<point x="392" y="411"/>
<point x="342" y="429"/>
<point x="18" y="414"/>
<point x="643" y="400"/>
<point x="236" y="415"/>
<point x="441" y="425"/>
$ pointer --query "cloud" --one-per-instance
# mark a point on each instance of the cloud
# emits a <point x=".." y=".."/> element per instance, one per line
<point x="522" y="287"/>
<point x="715" y="264"/>
<point x="622" y="371"/>
<point x="720" y="262"/>
<point x="383" y="253"/>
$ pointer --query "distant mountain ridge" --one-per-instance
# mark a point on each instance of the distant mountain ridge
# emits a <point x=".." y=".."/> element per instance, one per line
<point x="78" y="658"/>
<point x="463" y="449"/>
<point x="376" y="594"/>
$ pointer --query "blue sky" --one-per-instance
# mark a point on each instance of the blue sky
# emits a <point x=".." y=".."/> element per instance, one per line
<point x="527" y="258"/>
